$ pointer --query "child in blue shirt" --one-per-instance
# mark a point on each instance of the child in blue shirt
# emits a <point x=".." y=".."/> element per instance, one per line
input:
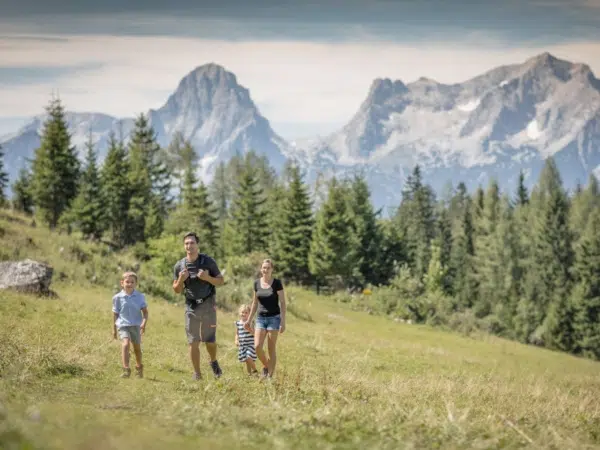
<point x="130" y="314"/>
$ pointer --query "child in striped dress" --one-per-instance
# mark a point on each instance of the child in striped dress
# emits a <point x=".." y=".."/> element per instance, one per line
<point x="244" y="340"/>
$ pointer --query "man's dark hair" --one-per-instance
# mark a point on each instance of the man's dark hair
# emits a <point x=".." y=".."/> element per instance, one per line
<point x="191" y="234"/>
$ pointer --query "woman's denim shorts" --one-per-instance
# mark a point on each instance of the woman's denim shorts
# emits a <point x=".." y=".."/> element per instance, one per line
<point x="268" y="323"/>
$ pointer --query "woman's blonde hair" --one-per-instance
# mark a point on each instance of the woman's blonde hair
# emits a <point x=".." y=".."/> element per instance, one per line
<point x="270" y="261"/>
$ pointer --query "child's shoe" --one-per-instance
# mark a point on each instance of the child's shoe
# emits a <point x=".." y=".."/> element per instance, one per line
<point x="126" y="372"/>
<point x="139" y="371"/>
<point x="197" y="376"/>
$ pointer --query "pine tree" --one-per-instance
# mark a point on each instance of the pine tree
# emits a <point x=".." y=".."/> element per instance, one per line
<point x="155" y="221"/>
<point x="487" y="258"/>
<point x="443" y="240"/>
<point x="140" y="182"/>
<point x="319" y="190"/>
<point x="208" y="217"/>
<point x="195" y="210"/>
<point x="249" y="220"/>
<point x="196" y="213"/>
<point x="583" y="203"/>
<point x="550" y="259"/>
<point x="416" y="219"/>
<point x="3" y="180"/>
<point x="392" y="254"/>
<point x="88" y="208"/>
<point x="149" y="180"/>
<point x="267" y="177"/>
<point x="114" y="180"/>
<point x="478" y="203"/>
<point x="332" y="252"/>
<point x="22" y="200"/>
<point x="586" y="294"/>
<point x="189" y="179"/>
<point x="55" y="168"/>
<point x="462" y="257"/>
<point x="436" y="272"/>
<point x="367" y="233"/>
<point x="296" y="229"/>
<point x="522" y="193"/>
<point x="220" y="191"/>
<point x="456" y="208"/>
<point x="177" y="156"/>
<point x="277" y="231"/>
<point x="508" y="269"/>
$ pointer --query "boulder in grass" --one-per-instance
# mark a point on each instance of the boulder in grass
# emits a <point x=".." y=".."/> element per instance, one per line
<point x="26" y="276"/>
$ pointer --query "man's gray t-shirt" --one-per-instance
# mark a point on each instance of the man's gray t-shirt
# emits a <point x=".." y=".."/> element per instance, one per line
<point x="195" y="289"/>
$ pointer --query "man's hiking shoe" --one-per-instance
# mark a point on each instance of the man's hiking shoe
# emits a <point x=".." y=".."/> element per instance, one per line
<point x="139" y="372"/>
<point x="196" y="376"/>
<point x="126" y="372"/>
<point x="216" y="369"/>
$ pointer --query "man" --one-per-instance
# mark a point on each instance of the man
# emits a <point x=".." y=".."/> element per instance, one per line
<point x="196" y="276"/>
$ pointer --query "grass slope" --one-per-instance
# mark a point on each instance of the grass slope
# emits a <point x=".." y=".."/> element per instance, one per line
<point x="345" y="379"/>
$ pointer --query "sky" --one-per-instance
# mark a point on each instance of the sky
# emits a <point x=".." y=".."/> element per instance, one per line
<point x="308" y="65"/>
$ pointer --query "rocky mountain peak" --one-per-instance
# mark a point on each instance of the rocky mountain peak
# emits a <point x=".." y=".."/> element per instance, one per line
<point x="383" y="88"/>
<point x="548" y="64"/>
<point x="207" y="86"/>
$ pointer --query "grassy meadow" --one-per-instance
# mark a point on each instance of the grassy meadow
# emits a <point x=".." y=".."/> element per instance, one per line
<point x="345" y="379"/>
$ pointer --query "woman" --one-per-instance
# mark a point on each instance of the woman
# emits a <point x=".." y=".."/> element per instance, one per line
<point x="269" y="300"/>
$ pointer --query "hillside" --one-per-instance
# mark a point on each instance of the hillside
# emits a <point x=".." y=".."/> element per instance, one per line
<point x="345" y="379"/>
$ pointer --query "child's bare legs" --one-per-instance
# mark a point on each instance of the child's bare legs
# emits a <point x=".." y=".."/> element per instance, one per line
<point x="259" y="340"/>
<point x="250" y="366"/>
<point x="125" y="357"/>
<point x="137" y="349"/>
<point x="125" y="352"/>
<point x="272" y="346"/>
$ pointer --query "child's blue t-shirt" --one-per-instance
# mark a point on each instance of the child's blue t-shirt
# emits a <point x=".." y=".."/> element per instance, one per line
<point x="128" y="307"/>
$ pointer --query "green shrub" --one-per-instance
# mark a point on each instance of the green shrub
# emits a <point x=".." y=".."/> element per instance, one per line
<point x="245" y="267"/>
<point x="142" y="251"/>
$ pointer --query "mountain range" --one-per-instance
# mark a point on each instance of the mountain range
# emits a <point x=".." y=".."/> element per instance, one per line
<point x="492" y="126"/>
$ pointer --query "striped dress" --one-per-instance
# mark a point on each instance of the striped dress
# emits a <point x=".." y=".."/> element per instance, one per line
<point x="246" y="340"/>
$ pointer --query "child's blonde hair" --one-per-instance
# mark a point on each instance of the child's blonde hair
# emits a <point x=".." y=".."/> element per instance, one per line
<point x="129" y="275"/>
<point x="242" y="308"/>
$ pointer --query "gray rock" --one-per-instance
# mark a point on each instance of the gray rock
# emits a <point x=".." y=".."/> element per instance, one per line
<point x="26" y="276"/>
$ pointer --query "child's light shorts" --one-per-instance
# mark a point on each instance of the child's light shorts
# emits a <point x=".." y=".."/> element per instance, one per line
<point x="132" y="333"/>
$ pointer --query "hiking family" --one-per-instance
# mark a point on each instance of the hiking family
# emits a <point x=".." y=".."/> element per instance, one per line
<point x="196" y="276"/>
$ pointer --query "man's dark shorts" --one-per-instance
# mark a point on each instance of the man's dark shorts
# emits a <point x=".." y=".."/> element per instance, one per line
<point x="201" y="321"/>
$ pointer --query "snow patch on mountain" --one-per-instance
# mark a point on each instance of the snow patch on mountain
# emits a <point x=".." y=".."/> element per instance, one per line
<point x="470" y="105"/>
<point x="533" y="130"/>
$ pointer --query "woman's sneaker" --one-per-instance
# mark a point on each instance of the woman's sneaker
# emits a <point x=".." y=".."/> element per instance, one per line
<point x="265" y="372"/>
